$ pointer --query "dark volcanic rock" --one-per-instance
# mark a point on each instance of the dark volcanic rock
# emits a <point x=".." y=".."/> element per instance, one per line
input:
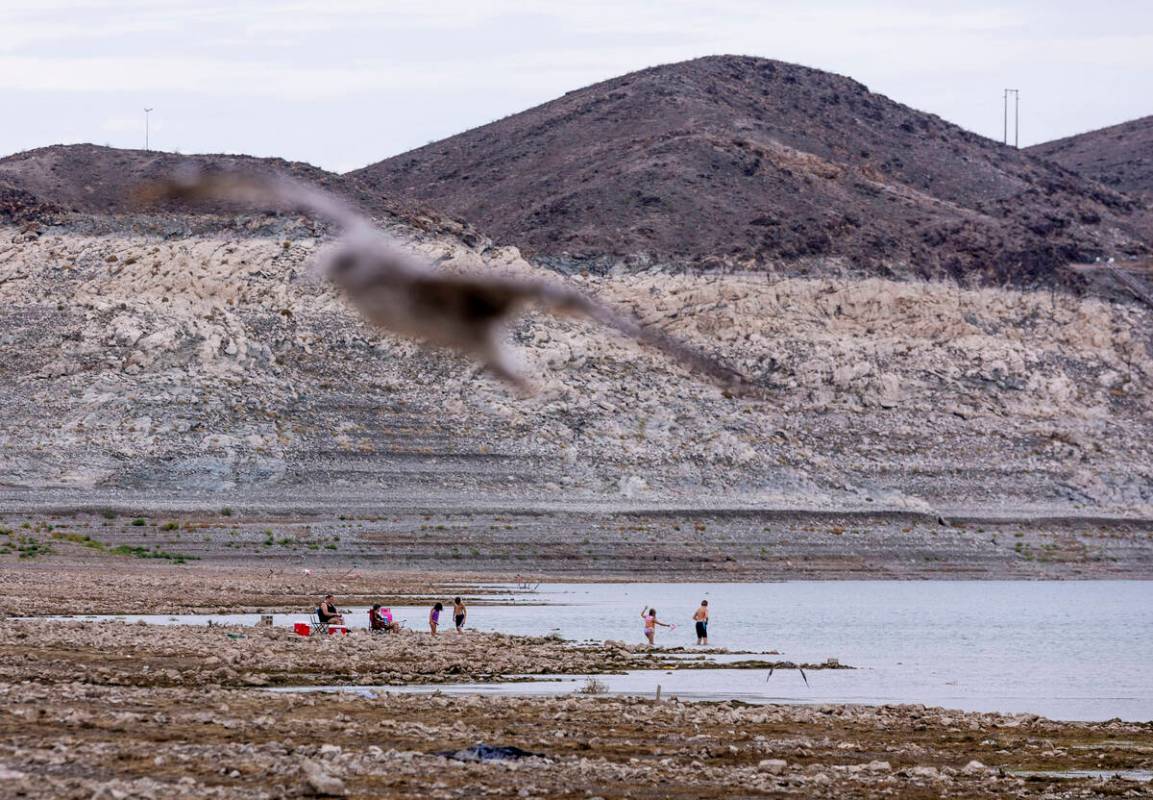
<point x="18" y="205"/>
<point x="1120" y="156"/>
<point x="743" y="161"/>
<point x="86" y="179"/>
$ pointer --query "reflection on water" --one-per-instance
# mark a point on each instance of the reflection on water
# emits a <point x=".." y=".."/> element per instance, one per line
<point x="1068" y="650"/>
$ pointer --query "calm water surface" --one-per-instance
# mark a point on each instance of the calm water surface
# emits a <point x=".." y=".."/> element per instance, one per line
<point x="1067" y="650"/>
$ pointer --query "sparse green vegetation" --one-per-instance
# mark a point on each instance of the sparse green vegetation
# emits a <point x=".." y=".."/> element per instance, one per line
<point x="119" y="550"/>
<point x="226" y="512"/>
<point x="169" y="526"/>
<point x="139" y="522"/>
<point x="79" y="538"/>
<point x="144" y="552"/>
<point x="28" y="547"/>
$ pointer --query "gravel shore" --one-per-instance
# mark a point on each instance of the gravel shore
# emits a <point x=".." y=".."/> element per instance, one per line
<point x="115" y="710"/>
<point x="71" y="740"/>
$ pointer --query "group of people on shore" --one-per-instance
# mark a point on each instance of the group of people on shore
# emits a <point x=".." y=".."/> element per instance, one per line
<point x="380" y="619"/>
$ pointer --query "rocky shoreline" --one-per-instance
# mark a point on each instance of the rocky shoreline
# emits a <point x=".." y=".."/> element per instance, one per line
<point x="133" y="711"/>
<point x="72" y="740"/>
<point x="161" y="656"/>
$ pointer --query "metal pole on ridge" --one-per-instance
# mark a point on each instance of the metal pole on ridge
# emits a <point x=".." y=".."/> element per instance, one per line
<point x="1005" y="133"/>
<point x="1017" y="118"/>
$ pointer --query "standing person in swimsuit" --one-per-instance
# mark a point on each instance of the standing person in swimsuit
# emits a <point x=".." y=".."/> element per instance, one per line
<point x="459" y="613"/>
<point x="649" y="615"/>
<point x="434" y="618"/>
<point x="702" y="620"/>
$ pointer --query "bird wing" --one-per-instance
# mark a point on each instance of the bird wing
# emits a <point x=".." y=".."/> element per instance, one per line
<point x="262" y="191"/>
<point x="563" y="300"/>
<point x="477" y="295"/>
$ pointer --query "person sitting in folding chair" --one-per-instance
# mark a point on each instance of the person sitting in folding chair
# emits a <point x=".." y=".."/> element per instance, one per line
<point x="328" y="613"/>
<point x="380" y="620"/>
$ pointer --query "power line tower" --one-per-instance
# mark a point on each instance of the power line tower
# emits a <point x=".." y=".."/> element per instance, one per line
<point x="1016" y="117"/>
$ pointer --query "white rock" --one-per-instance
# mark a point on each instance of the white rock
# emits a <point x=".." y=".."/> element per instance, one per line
<point x="773" y="766"/>
<point x="632" y="485"/>
<point x="319" y="783"/>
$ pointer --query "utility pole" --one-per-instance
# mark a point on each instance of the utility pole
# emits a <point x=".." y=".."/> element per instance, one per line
<point x="147" y="111"/>
<point x="1016" y="117"/>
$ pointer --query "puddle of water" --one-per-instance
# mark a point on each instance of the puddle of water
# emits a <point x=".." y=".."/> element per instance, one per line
<point x="746" y="685"/>
<point x="749" y="686"/>
<point x="1137" y="775"/>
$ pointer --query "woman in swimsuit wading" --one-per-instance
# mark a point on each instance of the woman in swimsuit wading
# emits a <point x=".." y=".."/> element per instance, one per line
<point x="649" y="615"/>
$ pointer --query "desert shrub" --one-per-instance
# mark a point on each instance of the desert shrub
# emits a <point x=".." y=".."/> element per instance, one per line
<point x="593" y="686"/>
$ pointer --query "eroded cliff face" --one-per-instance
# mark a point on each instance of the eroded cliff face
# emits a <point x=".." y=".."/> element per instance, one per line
<point x="213" y="367"/>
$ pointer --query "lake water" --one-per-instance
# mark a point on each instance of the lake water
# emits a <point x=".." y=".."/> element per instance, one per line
<point x="1077" y="650"/>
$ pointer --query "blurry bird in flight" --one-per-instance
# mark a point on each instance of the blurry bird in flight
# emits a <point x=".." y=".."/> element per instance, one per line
<point x="469" y="313"/>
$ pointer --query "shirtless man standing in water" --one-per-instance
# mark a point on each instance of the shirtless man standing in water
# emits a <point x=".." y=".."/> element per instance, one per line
<point x="702" y="620"/>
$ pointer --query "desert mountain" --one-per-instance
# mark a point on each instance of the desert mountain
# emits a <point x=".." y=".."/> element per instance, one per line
<point x="1120" y="156"/>
<point x="746" y="161"/>
<point x="86" y="179"/>
<point x="186" y="360"/>
<point x="94" y="179"/>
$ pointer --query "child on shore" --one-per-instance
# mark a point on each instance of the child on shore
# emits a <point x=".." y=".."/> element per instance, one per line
<point x="434" y="618"/>
<point x="459" y="614"/>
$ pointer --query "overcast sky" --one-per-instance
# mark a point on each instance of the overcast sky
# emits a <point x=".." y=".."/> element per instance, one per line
<point x="343" y="83"/>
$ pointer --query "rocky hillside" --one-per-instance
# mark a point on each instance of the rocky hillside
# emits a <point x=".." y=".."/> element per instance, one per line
<point x="746" y="161"/>
<point x="1120" y="156"/>
<point x="87" y="185"/>
<point x="204" y="370"/>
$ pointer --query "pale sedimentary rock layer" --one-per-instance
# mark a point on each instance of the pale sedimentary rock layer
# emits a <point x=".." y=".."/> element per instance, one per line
<point x="214" y="365"/>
